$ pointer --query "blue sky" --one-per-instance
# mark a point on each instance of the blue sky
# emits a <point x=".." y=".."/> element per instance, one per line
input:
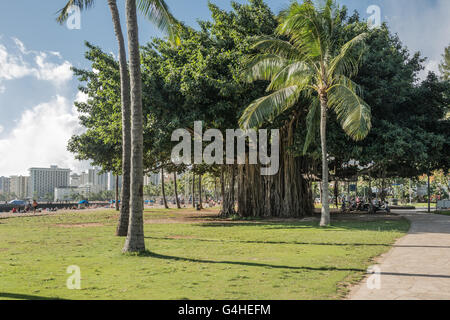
<point x="37" y="89"/>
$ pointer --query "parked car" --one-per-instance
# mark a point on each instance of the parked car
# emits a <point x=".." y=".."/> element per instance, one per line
<point x="18" y="202"/>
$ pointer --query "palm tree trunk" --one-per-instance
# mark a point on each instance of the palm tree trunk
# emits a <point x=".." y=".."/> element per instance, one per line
<point x="135" y="237"/>
<point x="176" y="191"/>
<point x="122" y="227"/>
<point x="325" y="215"/>
<point x="163" y="189"/>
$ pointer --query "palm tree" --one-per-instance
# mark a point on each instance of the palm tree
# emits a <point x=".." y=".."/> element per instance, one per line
<point x="158" y="12"/>
<point x="310" y="65"/>
<point x="122" y="226"/>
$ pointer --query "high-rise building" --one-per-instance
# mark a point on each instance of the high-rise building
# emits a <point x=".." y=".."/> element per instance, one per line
<point x="153" y="178"/>
<point x="84" y="178"/>
<point x="43" y="181"/>
<point x="112" y="182"/>
<point x="93" y="181"/>
<point x="101" y="180"/>
<point x="19" y="186"/>
<point x="75" y="180"/>
<point x="4" y="185"/>
<point x="65" y="193"/>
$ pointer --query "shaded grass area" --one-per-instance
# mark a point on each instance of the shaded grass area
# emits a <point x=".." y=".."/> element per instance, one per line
<point x="444" y="212"/>
<point x="424" y="205"/>
<point x="208" y="259"/>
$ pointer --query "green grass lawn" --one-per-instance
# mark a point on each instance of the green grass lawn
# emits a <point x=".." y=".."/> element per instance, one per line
<point x="444" y="212"/>
<point x="203" y="260"/>
<point x="424" y="205"/>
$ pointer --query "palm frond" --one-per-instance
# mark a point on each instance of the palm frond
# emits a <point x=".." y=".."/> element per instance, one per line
<point x="312" y="124"/>
<point x="346" y="62"/>
<point x="158" y="12"/>
<point x="297" y="73"/>
<point x="305" y="27"/>
<point x="263" y="67"/>
<point x="272" y="45"/>
<point x="352" y="112"/>
<point x="63" y="14"/>
<point x="268" y="107"/>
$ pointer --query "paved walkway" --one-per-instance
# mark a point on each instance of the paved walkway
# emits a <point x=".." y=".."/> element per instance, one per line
<point x="418" y="266"/>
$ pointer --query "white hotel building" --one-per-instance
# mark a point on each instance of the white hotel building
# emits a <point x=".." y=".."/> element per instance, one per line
<point x="43" y="181"/>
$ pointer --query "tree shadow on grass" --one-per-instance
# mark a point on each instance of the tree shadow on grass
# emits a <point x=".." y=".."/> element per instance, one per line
<point x="20" y="296"/>
<point x="150" y="254"/>
<point x="308" y="225"/>
<point x="276" y="242"/>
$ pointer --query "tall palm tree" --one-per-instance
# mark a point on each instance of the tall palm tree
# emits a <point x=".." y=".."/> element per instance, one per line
<point x="158" y="12"/>
<point x="310" y="65"/>
<point x="135" y="237"/>
<point x="122" y="226"/>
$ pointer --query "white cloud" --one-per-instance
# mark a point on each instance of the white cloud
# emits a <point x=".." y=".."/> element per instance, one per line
<point x="422" y="26"/>
<point x="2" y="88"/>
<point x="17" y="62"/>
<point x="81" y="97"/>
<point x="40" y="138"/>
<point x="57" y="73"/>
<point x="12" y="66"/>
<point x="1" y="129"/>
<point x="20" y="45"/>
<point x="431" y="66"/>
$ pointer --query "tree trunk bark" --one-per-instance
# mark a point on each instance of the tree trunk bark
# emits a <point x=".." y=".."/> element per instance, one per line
<point x="429" y="193"/>
<point x="336" y="193"/>
<point x="193" y="190"/>
<point x="163" y="189"/>
<point x="320" y="191"/>
<point x="215" y="188"/>
<point x="285" y="194"/>
<point x="122" y="227"/>
<point x="409" y="190"/>
<point x="117" y="194"/>
<point x="228" y="182"/>
<point x="200" y="191"/>
<point x="135" y="237"/>
<point x="176" y="190"/>
<point x="222" y="183"/>
<point x="325" y="213"/>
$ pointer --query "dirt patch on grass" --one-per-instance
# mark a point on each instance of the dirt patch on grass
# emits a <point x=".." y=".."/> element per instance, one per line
<point x="79" y="225"/>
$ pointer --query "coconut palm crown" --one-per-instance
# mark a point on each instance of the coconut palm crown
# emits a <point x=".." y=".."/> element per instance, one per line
<point x="156" y="11"/>
<point x="303" y="60"/>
